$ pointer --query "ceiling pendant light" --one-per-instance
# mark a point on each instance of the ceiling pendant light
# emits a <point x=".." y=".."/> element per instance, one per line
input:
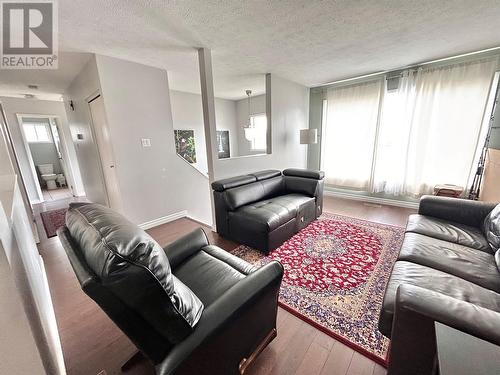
<point x="247" y="128"/>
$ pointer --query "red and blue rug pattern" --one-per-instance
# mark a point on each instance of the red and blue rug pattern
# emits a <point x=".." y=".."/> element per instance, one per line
<point x="336" y="272"/>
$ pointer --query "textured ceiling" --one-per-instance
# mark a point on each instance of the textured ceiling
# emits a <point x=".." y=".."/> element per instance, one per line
<point x="51" y="83"/>
<point x="307" y="41"/>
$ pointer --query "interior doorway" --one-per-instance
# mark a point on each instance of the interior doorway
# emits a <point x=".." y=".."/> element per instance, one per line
<point x="47" y="156"/>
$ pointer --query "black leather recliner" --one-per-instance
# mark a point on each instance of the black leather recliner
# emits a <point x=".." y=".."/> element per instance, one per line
<point x="264" y="209"/>
<point x="448" y="272"/>
<point x="191" y="308"/>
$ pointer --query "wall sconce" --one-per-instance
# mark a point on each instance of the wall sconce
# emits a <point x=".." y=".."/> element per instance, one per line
<point x="308" y="136"/>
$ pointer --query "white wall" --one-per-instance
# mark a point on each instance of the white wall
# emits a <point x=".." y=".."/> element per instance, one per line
<point x="187" y="113"/>
<point x="85" y="84"/>
<point x="13" y="106"/>
<point x="29" y="338"/>
<point x="290" y="113"/>
<point x="18" y="351"/>
<point x="154" y="181"/>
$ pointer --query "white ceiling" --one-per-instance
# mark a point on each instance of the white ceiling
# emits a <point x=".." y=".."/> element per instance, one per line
<point x="310" y="42"/>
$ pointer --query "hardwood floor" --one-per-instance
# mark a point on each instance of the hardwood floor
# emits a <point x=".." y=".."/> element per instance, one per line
<point x="92" y="343"/>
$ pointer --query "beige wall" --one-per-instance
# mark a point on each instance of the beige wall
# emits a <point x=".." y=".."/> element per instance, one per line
<point x="490" y="191"/>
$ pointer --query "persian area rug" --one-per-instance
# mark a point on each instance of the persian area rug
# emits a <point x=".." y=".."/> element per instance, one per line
<point x="336" y="271"/>
<point x="53" y="220"/>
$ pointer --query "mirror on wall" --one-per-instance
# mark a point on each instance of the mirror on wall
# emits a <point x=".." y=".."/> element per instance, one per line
<point x="241" y="119"/>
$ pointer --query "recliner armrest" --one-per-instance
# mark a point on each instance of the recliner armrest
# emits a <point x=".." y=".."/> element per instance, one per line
<point x="184" y="247"/>
<point x="462" y="211"/>
<point x="220" y="314"/>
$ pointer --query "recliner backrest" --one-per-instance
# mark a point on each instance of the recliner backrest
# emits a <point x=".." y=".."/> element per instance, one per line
<point x="128" y="274"/>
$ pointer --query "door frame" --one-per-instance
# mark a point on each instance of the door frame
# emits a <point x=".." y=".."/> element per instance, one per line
<point x="88" y="100"/>
<point x="64" y="153"/>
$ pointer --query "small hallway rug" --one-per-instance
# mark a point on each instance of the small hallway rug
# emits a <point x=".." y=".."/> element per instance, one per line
<point x="336" y="271"/>
<point x="53" y="220"/>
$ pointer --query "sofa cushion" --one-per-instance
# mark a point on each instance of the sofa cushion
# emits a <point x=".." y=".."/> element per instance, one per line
<point x="465" y="262"/>
<point x="448" y="231"/>
<point x="266" y="215"/>
<point x="491" y="228"/>
<point x="208" y="275"/>
<point x="130" y="264"/>
<point x="256" y="191"/>
<point x="437" y="281"/>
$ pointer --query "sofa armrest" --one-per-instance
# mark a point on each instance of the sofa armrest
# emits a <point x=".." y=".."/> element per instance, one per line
<point x="184" y="247"/>
<point x="306" y="173"/>
<point x="462" y="211"/>
<point x="221" y="317"/>
<point x="413" y="339"/>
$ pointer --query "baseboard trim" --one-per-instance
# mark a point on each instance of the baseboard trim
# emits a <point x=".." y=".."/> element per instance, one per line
<point x="368" y="199"/>
<point x="198" y="221"/>
<point x="163" y="220"/>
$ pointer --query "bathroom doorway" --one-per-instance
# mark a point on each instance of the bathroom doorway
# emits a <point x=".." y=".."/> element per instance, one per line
<point x="47" y="157"/>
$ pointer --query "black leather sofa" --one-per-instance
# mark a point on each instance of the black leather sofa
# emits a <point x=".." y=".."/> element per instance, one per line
<point x="263" y="209"/>
<point x="191" y="308"/>
<point x="448" y="272"/>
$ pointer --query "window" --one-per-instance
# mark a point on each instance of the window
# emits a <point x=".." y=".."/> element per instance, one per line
<point x="404" y="141"/>
<point x="37" y="133"/>
<point x="257" y="133"/>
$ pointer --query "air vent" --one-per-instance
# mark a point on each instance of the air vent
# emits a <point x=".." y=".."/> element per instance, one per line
<point x="33" y="87"/>
<point x="29" y="96"/>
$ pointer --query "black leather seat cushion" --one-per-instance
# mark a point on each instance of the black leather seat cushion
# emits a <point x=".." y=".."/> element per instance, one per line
<point x="214" y="267"/>
<point x="267" y="215"/>
<point x="448" y="231"/>
<point x="437" y="281"/>
<point x="465" y="262"/>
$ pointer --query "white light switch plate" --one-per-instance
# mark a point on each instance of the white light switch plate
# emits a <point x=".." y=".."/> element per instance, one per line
<point x="146" y="142"/>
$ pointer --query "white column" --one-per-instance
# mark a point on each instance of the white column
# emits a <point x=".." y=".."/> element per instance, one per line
<point x="208" y="103"/>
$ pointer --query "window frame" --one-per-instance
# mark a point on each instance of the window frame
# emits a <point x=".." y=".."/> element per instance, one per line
<point x="252" y="126"/>
<point x="35" y="125"/>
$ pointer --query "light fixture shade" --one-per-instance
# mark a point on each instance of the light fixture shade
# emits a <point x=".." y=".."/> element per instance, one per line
<point x="249" y="134"/>
<point x="308" y="136"/>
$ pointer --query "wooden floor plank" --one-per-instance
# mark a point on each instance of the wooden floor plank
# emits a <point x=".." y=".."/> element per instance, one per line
<point x="360" y="365"/>
<point x="338" y="361"/>
<point x="92" y="343"/>
<point x="314" y="359"/>
<point x="379" y="370"/>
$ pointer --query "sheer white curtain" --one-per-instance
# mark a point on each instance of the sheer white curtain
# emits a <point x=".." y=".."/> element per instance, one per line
<point x="446" y="124"/>
<point x="425" y="133"/>
<point x="349" y="134"/>
<point x="390" y="165"/>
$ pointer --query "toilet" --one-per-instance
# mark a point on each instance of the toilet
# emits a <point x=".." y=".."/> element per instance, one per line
<point x="48" y="175"/>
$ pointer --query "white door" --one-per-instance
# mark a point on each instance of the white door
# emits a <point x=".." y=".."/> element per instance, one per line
<point x="102" y="137"/>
